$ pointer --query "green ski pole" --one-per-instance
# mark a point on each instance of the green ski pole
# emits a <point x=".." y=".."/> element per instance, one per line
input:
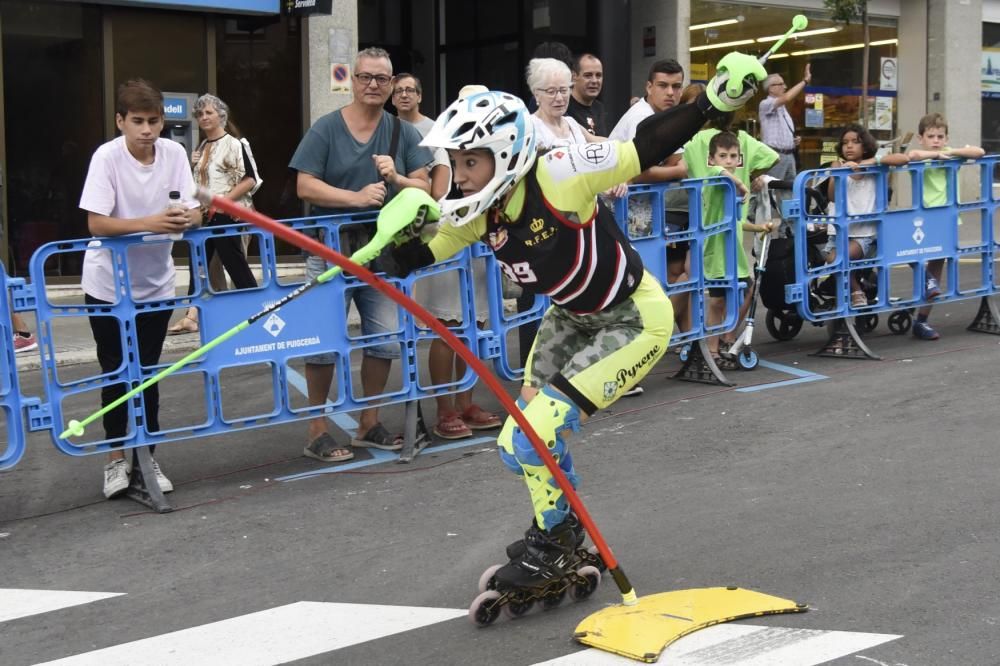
<point x="384" y="235"/>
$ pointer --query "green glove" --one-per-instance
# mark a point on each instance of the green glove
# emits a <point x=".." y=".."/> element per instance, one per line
<point x="402" y="218"/>
<point x="735" y="81"/>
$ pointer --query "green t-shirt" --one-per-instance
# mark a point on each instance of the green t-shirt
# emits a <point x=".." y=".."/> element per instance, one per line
<point x="936" y="186"/>
<point x="755" y="156"/>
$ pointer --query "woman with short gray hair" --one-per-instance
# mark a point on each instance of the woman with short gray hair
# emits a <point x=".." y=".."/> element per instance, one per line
<point x="549" y="80"/>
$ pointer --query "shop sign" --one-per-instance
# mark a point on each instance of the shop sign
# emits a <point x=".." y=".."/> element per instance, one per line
<point x="814" y="117"/>
<point x="230" y="6"/>
<point x="888" y="74"/>
<point x="991" y="73"/>
<point x="883" y="113"/>
<point x="175" y="108"/>
<point x="306" y="7"/>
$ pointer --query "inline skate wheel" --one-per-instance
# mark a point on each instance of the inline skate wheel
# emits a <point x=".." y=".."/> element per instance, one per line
<point x="596" y="554"/>
<point x="550" y="601"/>
<point x="748" y="359"/>
<point x="517" y="607"/>
<point x="486" y="581"/>
<point x="485" y="608"/>
<point x="592" y="578"/>
<point x="685" y="352"/>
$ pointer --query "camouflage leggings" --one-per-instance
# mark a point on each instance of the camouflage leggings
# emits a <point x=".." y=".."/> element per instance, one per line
<point x="606" y="353"/>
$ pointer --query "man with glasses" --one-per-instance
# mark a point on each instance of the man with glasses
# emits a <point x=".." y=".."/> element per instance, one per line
<point x="355" y="159"/>
<point x="407" y="94"/>
<point x="663" y="91"/>
<point x="776" y="127"/>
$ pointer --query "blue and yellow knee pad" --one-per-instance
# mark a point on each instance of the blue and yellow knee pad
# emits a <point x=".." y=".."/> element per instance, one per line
<point x="550" y="413"/>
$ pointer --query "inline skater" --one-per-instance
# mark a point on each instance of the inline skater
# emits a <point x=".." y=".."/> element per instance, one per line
<point x="610" y="321"/>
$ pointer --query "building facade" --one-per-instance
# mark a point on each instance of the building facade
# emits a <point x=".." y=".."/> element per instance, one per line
<point x="279" y="71"/>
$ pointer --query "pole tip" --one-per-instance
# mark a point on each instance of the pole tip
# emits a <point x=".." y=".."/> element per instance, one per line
<point x="800" y="22"/>
<point x="629" y="598"/>
<point x="73" y="428"/>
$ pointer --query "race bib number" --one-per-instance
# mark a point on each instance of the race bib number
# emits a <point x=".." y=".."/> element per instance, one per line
<point x="582" y="158"/>
<point x="519" y="272"/>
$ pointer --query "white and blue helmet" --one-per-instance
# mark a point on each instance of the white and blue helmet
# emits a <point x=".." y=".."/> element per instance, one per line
<point x="489" y="120"/>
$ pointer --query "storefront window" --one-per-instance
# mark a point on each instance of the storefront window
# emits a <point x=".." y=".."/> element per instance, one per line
<point x="835" y="55"/>
<point x="54" y="121"/>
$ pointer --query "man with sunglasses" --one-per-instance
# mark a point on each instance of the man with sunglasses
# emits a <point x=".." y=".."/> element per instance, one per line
<point x="355" y="159"/>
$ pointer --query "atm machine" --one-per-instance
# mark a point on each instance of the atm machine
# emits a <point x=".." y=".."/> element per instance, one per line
<point x="179" y="122"/>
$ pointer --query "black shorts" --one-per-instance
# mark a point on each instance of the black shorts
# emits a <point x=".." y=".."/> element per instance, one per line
<point x="720" y="292"/>
<point x="677" y="221"/>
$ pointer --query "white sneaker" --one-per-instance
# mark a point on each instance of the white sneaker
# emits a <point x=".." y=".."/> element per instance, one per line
<point x="164" y="482"/>
<point x="115" y="478"/>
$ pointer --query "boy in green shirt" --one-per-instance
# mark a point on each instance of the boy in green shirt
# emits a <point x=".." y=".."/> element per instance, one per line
<point x="932" y="135"/>
<point x="717" y="152"/>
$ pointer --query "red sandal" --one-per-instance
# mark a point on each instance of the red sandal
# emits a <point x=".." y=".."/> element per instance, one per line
<point x="451" y="426"/>
<point x="478" y="418"/>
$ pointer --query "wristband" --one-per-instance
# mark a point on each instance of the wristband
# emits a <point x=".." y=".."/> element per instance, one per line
<point x="878" y="160"/>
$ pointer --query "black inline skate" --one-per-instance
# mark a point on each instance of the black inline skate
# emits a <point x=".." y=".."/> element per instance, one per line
<point x="543" y="567"/>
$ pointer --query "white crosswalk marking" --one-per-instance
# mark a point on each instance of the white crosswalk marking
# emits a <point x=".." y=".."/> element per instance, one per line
<point x="744" y="645"/>
<point x="274" y="636"/>
<point x="21" y="603"/>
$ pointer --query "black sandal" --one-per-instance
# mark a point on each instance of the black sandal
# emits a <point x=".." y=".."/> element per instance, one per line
<point x="378" y="438"/>
<point x="326" y="449"/>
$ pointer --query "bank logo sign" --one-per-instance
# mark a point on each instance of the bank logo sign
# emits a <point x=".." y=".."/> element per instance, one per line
<point x="175" y="108"/>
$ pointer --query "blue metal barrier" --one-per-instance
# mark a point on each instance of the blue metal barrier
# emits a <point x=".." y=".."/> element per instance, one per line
<point x="314" y="323"/>
<point x="907" y="237"/>
<point x="10" y="391"/>
<point x="641" y="215"/>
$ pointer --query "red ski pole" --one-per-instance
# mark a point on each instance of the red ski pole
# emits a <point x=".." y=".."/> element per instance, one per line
<point x="310" y="245"/>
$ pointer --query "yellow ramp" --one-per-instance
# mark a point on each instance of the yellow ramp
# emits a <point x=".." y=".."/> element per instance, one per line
<point x="643" y="631"/>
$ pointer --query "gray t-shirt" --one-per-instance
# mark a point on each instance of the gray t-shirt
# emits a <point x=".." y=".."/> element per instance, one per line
<point x="329" y="152"/>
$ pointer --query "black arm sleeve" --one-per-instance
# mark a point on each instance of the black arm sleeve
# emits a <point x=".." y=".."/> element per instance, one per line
<point x="659" y="136"/>
<point x="402" y="260"/>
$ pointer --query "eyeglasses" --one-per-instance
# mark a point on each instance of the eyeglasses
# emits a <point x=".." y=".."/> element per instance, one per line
<point x="552" y="92"/>
<point x="405" y="91"/>
<point x="366" y="79"/>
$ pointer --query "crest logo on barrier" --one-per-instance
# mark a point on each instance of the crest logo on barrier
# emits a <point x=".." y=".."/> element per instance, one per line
<point x="918" y="233"/>
<point x="274" y="324"/>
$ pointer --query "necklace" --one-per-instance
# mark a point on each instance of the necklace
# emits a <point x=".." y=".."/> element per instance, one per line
<point x="224" y="134"/>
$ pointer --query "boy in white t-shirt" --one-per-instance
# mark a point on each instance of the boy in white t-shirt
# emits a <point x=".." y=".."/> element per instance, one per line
<point x="127" y="191"/>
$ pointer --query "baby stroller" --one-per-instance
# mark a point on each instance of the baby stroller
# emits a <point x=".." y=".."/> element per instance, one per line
<point x="782" y="320"/>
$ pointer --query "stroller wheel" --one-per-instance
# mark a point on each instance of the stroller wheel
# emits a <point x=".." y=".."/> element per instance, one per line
<point x="747" y="359"/>
<point x="866" y="323"/>
<point x="900" y="322"/>
<point x="783" y="325"/>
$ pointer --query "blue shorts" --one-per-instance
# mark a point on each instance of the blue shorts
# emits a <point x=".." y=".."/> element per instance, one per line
<point x="378" y="315"/>
<point x="868" y="245"/>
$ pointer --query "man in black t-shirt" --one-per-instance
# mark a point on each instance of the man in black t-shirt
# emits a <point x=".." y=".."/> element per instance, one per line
<point x="584" y="107"/>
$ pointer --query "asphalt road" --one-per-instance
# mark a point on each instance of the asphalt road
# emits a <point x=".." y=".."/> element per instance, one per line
<point x="869" y="492"/>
